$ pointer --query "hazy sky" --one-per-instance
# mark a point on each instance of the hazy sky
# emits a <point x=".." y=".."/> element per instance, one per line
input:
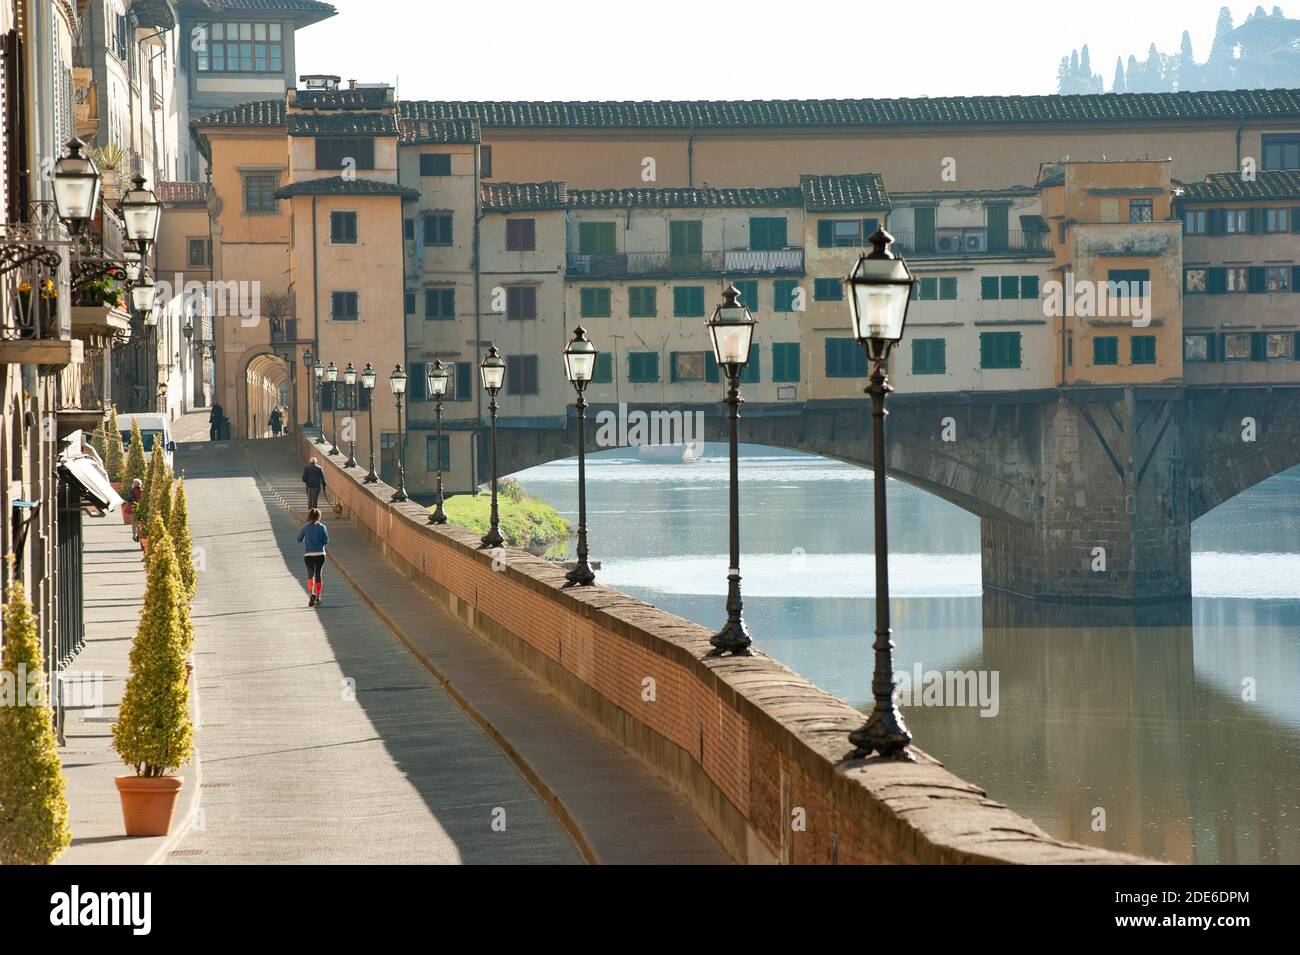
<point x="726" y="49"/>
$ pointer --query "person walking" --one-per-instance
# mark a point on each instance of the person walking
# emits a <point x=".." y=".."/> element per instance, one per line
<point x="133" y="502"/>
<point x="215" y="418"/>
<point x="313" y="475"/>
<point x="275" y="422"/>
<point x="313" y="538"/>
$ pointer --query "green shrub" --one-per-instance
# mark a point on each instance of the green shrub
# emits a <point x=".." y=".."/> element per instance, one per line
<point x="135" y="463"/>
<point x="33" y="800"/>
<point x="153" y="733"/>
<point x="524" y="521"/>
<point x="114" y="456"/>
<point x="183" y="544"/>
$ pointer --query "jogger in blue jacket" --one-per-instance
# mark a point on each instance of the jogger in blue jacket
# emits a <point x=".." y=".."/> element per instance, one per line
<point x="314" y="537"/>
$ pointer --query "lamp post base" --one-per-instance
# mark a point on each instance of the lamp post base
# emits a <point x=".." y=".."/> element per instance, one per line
<point x="398" y="496"/>
<point x="439" y="516"/>
<point x="885" y="734"/>
<point x="733" y="639"/>
<point x="581" y="576"/>
<point x="492" y="538"/>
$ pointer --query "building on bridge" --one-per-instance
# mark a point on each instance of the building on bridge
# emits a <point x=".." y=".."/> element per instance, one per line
<point x="1050" y="277"/>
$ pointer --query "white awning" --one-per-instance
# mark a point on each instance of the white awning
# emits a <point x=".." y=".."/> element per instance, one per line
<point x="92" y="477"/>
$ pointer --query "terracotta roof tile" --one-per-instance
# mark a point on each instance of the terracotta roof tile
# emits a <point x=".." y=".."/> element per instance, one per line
<point x="183" y="193"/>
<point x="852" y="193"/>
<point x="1267" y="184"/>
<point x="338" y="186"/>
<point x="777" y="196"/>
<point x="522" y="196"/>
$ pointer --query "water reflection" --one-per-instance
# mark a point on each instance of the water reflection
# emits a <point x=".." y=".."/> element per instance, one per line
<point x="1181" y="721"/>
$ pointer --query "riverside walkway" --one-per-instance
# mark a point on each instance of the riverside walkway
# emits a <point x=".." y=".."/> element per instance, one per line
<point x="377" y="728"/>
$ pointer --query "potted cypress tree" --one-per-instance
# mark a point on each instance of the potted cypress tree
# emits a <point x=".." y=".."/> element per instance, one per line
<point x="135" y="468"/>
<point x="157" y="466"/>
<point x="153" y="733"/>
<point x="182" y="542"/>
<point x="33" y="799"/>
<point x="114" y="456"/>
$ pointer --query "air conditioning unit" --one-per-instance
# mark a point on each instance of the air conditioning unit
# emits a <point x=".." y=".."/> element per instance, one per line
<point x="581" y="265"/>
<point x="947" y="243"/>
<point x="976" y="241"/>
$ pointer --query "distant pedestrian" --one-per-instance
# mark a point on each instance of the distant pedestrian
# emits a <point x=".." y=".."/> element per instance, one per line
<point x="215" y="419"/>
<point x="133" y="501"/>
<point x="275" y="421"/>
<point x="313" y="475"/>
<point x="313" y="538"/>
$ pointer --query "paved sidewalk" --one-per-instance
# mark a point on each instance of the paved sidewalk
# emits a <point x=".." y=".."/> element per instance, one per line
<point x="324" y="740"/>
<point x="192" y="426"/>
<point x="114" y="581"/>
<point x="622" y="810"/>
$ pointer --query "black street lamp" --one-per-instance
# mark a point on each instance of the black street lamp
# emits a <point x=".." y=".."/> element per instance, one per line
<point x="436" y="379"/>
<point x="141" y="211"/>
<point x="492" y="369"/>
<point x="77" y="185"/>
<point x="880" y="287"/>
<point x="311" y="388"/>
<point x="318" y="370"/>
<point x="579" y="366"/>
<point x="332" y="379"/>
<point x="142" y="298"/>
<point x="368" y="383"/>
<point x="350" y="379"/>
<point x="732" y="330"/>
<point x="397" y="381"/>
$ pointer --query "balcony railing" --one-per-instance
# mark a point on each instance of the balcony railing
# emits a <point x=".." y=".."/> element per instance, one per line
<point x="960" y="242"/>
<point x="708" y="262"/>
<point x="34" y="284"/>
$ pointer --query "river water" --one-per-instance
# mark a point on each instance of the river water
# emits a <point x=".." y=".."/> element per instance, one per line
<point x="1173" y="733"/>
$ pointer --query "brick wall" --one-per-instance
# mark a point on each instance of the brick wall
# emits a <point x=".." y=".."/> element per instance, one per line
<point x="754" y="746"/>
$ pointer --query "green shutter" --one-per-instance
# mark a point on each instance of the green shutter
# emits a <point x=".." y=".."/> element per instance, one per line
<point x="948" y="288"/>
<point x="748" y="289"/>
<point x="750" y="375"/>
<point x="988" y="287"/>
<point x="685" y="245"/>
<point x="923" y="216"/>
<point x="1258" y="346"/>
<point x="1216" y="280"/>
<point x="783" y="295"/>
<point x="869" y="227"/>
<point x="711" y="367"/>
<point x="825" y="234"/>
<point x="603" y="373"/>
<point x="1009" y="287"/>
<point x="464" y="380"/>
<point x="672" y="366"/>
<point x="1029" y="286"/>
<point x="785" y="361"/>
<point x="996" y="219"/>
<point x="1257" y="277"/>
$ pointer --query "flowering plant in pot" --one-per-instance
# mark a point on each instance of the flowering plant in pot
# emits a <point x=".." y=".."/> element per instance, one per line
<point x="153" y="733"/>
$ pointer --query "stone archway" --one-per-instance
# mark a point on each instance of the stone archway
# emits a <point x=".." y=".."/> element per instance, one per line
<point x="267" y="385"/>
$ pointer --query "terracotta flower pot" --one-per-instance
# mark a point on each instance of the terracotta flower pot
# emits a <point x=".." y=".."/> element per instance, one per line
<point x="148" y="803"/>
<point x="189" y="670"/>
<point x="144" y="544"/>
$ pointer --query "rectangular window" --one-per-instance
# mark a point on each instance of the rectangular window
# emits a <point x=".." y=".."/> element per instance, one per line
<point x="594" y="303"/>
<point x="485" y="162"/>
<point x="1142" y="350"/>
<point x="785" y="361"/>
<point x="948" y="288"/>
<point x="1237" y="278"/>
<point x="1277" y="278"/>
<point x="686" y="366"/>
<point x="259" y="194"/>
<point x="436" y="453"/>
<point x="1235" y="221"/>
<point x="1194" y="222"/>
<point x="603" y="373"/>
<point x="1029" y="286"/>
<point x="926" y="289"/>
<point x="437" y="229"/>
<point x="642" y="301"/>
<point x="988" y="287"/>
<point x="344" y="307"/>
<point x="343" y="228"/>
<point x="1281" y="151"/>
<point x="462" y="381"/>
<point x="1105" y="350"/>
<point x="828" y="290"/>
<point x="839" y="233"/>
<point x="408" y="230"/>
<point x="339" y="152"/>
<point x="521" y="374"/>
<point x="596" y="238"/>
<point x="999" y="349"/>
<point x="521" y="302"/>
<point x="1009" y="287"/>
<point x="749" y="375"/>
<point x="1280" y="346"/>
<point x="1194" y="281"/>
<point x="767" y="233"/>
<point x="845" y="358"/>
<point x="416" y="382"/>
<point x="521" y="235"/>
<point x="1139" y="210"/>
<point x="686" y="245"/>
<point x="199" y="253"/>
<point x="783" y="295"/>
<point x="435" y="164"/>
<point x="1196" y="348"/>
<point x="929" y="356"/>
<point x="1236" y="346"/>
<point x="643" y="367"/>
<point x="688" y="301"/>
<point x="230" y="47"/>
<point x="440" y="304"/>
<point x="748" y="289"/>
<point x="408" y="302"/>
<point x="1277" y="220"/>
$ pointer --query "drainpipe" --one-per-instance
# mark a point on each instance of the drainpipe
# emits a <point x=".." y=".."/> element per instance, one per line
<point x="315" y="312"/>
<point x="1240" y="126"/>
<point x="478" y="316"/>
<point x="690" y="158"/>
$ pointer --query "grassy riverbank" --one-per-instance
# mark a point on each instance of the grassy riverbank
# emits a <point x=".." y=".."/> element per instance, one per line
<point x="526" y="522"/>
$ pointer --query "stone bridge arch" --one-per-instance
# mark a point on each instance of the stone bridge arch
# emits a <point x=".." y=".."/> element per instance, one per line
<point x="264" y="375"/>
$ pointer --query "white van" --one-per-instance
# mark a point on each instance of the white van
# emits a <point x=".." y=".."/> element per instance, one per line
<point x="152" y="427"/>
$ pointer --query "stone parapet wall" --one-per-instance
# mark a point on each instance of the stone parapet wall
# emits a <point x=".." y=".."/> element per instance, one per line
<point x="755" y="747"/>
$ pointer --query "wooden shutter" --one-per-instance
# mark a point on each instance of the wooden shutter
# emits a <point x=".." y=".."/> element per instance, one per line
<point x="988" y="287"/>
<point x="1216" y="280"/>
<point x="1253" y="224"/>
<point x="869" y="227"/>
<point x="1295" y="281"/>
<point x="923" y="216"/>
<point x="710" y="367"/>
<point x="996" y="217"/>
<point x="1257" y="279"/>
<point x="825" y="234"/>
<point x="464" y="380"/>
